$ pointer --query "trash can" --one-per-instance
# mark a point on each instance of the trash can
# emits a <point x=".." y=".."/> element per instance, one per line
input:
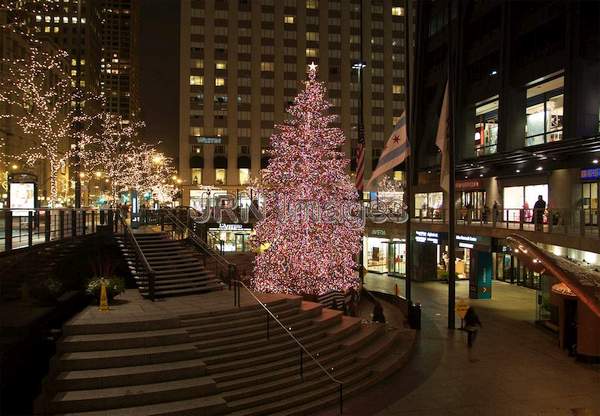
<point x="414" y="315"/>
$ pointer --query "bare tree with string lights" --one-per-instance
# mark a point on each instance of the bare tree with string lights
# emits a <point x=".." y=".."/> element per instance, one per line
<point x="38" y="94"/>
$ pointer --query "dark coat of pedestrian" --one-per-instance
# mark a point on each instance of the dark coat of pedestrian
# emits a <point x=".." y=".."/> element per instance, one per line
<point x="378" y="313"/>
<point x="472" y="325"/>
<point x="538" y="212"/>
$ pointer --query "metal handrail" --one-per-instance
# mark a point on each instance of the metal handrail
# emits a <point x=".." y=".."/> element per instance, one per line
<point x="219" y="259"/>
<point x="139" y="254"/>
<point x="196" y="239"/>
<point x="302" y="347"/>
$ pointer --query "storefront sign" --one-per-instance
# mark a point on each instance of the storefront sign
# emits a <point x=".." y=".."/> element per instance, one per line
<point x="378" y="232"/>
<point x="232" y="227"/>
<point x="476" y="242"/>
<point x="591" y="174"/>
<point x="426" y="237"/>
<point x="468" y="184"/>
<point x="206" y="140"/>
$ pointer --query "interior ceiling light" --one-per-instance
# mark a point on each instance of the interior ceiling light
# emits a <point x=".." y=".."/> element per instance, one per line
<point x="595" y="161"/>
<point x="539" y="168"/>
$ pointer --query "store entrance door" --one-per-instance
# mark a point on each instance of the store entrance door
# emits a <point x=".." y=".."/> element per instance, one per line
<point x="241" y="242"/>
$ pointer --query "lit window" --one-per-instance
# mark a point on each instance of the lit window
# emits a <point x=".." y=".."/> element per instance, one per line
<point x="244" y="176"/>
<point x="65" y="19"/>
<point x="56" y="29"/>
<point x="397" y="11"/>
<point x="288" y="19"/>
<point x="312" y="4"/>
<point x="398" y="89"/>
<point x="312" y="36"/>
<point x="47" y="29"/>
<point x="545" y="110"/>
<point x="219" y="82"/>
<point x="56" y="19"/>
<point x="486" y="128"/>
<point x="47" y="19"/>
<point x="73" y="20"/>
<point x="221" y="65"/>
<point x="196" y="176"/>
<point x="83" y="62"/>
<point x="73" y="72"/>
<point x="196" y="131"/>
<point x="196" y="80"/>
<point x="83" y="20"/>
<point x="220" y="176"/>
<point x="266" y="66"/>
<point x="311" y="52"/>
<point x="38" y="18"/>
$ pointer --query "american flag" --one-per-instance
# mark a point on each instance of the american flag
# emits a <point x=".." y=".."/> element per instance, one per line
<point x="360" y="161"/>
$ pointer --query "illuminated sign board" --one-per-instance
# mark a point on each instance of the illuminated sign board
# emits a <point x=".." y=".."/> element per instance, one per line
<point x="206" y="140"/>
<point x="232" y="227"/>
<point x="22" y="196"/>
<point x="590" y="174"/>
<point x="427" y="237"/>
<point x="377" y="232"/>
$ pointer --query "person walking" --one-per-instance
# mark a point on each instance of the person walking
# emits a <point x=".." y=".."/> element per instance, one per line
<point x="495" y="212"/>
<point x="378" y="313"/>
<point x="538" y="213"/>
<point x="472" y="325"/>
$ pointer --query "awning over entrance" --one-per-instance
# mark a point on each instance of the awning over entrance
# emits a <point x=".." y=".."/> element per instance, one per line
<point x="582" y="282"/>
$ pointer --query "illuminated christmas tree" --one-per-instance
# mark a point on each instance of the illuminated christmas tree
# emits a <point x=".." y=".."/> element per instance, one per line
<point x="308" y="236"/>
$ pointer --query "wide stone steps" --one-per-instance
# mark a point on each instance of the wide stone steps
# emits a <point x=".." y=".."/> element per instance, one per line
<point x="125" y="357"/>
<point x="203" y="406"/>
<point x="133" y="395"/>
<point x="219" y="363"/>
<point x="122" y="340"/>
<point x="124" y="376"/>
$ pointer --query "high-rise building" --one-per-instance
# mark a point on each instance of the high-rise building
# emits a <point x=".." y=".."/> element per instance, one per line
<point x="119" y="61"/>
<point x="75" y="27"/>
<point x="241" y="65"/>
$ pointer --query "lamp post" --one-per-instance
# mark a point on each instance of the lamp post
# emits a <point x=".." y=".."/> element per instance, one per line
<point x="80" y="45"/>
<point x="359" y="67"/>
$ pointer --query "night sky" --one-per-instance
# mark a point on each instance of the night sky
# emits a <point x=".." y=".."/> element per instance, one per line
<point x="159" y="71"/>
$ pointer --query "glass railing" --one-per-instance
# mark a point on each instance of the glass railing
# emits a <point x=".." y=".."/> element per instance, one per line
<point x="21" y="229"/>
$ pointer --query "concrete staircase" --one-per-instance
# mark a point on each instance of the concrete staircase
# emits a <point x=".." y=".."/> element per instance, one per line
<point x="219" y="363"/>
<point x="179" y="269"/>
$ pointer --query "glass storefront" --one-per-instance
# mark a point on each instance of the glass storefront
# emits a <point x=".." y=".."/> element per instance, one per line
<point x="522" y="197"/>
<point x="510" y="269"/>
<point x="382" y="255"/>
<point x="429" y="205"/>
<point x="229" y="238"/>
<point x="473" y="200"/>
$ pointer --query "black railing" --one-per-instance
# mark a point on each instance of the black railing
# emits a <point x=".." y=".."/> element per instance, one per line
<point x="144" y="271"/>
<point x="22" y="228"/>
<point x="302" y="350"/>
<point x="582" y="222"/>
<point x="180" y="230"/>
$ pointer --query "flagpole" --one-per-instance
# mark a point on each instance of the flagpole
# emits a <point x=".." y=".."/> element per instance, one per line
<point x="410" y="161"/>
<point x="451" y="169"/>
<point x="361" y="139"/>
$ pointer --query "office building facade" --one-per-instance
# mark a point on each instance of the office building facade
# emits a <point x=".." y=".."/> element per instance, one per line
<point x="241" y="65"/>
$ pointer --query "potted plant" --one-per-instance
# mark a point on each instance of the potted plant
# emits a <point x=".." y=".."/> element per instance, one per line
<point x="114" y="286"/>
